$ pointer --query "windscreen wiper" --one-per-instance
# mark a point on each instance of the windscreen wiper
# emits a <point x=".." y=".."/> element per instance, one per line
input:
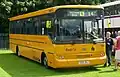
<point x="95" y="37"/>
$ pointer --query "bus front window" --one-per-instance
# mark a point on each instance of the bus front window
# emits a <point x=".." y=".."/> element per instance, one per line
<point x="91" y="31"/>
<point x="70" y="30"/>
<point x="71" y="27"/>
<point x="77" y="31"/>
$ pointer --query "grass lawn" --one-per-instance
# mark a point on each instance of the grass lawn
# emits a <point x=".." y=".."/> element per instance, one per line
<point x="13" y="66"/>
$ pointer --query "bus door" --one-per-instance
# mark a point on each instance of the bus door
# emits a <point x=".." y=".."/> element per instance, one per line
<point x="47" y="27"/>
<point x="89" y="34"/>
<point x="92" y="36"/>
<point x="47" y="31"/>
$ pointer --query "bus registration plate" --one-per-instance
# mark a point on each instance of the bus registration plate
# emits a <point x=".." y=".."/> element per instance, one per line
<point x="84" y="62"/>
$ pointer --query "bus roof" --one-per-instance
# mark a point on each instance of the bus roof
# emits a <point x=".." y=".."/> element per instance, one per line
<point x="51" y="10"/>
<point x="110" y="4"/>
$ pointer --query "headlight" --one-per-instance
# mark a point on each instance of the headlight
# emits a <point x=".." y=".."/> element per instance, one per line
<point x="60" y="57"/>
<point x="102" y="54"/>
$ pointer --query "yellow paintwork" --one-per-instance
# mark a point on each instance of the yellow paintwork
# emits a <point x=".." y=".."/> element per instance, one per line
<point x="52" y="10"/>
<point x="28" y="44"/>
<point x="79" y="52"/>
<point x="59" y="56"/>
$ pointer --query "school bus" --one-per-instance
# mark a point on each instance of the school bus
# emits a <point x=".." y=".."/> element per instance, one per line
<point x="61" y="36"/>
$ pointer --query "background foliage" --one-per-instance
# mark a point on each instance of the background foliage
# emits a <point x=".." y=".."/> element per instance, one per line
<point x="9" y="8"/>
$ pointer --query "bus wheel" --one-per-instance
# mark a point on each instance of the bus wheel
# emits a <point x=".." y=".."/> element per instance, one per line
<point x="45" y="62"/>
<point x="17" y="51"/>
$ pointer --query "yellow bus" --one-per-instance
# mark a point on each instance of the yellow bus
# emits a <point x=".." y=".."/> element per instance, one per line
<point x="61" y="36"/>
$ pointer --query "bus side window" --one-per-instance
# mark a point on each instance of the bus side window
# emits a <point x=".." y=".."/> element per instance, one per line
<point x="37" y="26"/>
<point x="29" y="27"/>
<point x="43" y="27"/>
<point x="46" y="26"/>
<point x="11" y="27"/>
<point x="49" y="28"/>
<point x="18" y="27"/>
<point x="24" y="27"/>
<point x="14" y="27"/>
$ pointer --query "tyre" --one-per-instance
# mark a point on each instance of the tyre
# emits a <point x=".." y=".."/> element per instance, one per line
<point x="17" y="51"/>
<point x="45" y="62"/>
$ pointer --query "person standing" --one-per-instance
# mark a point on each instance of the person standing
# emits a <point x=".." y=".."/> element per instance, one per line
<point x="109" y="48"/>
<point x="116" y="34"/>
<point x="117" y="51"/>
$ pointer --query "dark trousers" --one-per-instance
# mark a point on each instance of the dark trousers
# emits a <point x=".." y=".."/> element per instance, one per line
<point x="108" y="54"/>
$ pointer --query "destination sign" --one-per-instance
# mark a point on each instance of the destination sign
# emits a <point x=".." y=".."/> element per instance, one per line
<point x="82" y="13"/>
<point x="78" y="12"/>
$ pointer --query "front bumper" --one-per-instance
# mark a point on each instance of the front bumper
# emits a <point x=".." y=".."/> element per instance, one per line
<point x="66" y="63"/>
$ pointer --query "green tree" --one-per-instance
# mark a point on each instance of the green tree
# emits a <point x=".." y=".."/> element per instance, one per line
<point x="5" y="9"/>
<point x="9" y="8"/>
<point x="102" y="1"/>
<point x="25" y="6"/>
<point x="89" y="2"/>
